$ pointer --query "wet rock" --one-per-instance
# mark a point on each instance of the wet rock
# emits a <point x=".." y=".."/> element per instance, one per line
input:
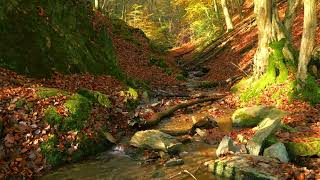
<point x="277" y="151"/>
<point x="266" y="128"/>
<point x="185" y="124"/>
<point x="226" y="146"/>
<point x="245" y="166"/>
<point x="174" y="162"/>
<point x="201" y="133"/>
<point x="252" y="116"/>
<point x="158" y="174"/>
<point x="155" y="140"/>
<point x="305" y="147"/>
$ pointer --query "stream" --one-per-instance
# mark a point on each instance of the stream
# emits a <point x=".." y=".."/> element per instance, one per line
<point x="115" y="164"/>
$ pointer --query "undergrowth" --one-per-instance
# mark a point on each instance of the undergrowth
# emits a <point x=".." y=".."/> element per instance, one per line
<point x="280" y="72"/>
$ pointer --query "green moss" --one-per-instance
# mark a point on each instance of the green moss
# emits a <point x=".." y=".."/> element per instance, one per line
<point x="63" y="41"/>
<point x="307" y="147"/>
<point x="52" y="117"/>
<point x="277" y="73"/>
<point x="20" y="103"/>
<point x="288" y="128"/>
<point x="79" y="108"/>
<point x="310" y="91"/>
<point x="90" y="146"/>
<point x="96" y="97"/>
<point x="180" y="77"/>
<point x="49" y="92"/>
<point x="53" y="156"/>
<point x="270" y="141"/>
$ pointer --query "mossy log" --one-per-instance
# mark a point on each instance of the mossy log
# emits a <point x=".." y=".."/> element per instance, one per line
<point x="157" y="117"/>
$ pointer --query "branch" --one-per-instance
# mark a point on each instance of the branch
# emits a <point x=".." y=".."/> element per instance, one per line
<point x="157" y="117"/>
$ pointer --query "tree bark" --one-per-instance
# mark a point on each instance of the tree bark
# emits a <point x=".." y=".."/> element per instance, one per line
<point x="270" y="29"/>
<point x="96" y="4"/>
<point x="263" y="11"/>
<point x="216" y="9"/>
<point x="227" y="15"/>
<point x="290" y="15"/>
<point x="308" y="38"/>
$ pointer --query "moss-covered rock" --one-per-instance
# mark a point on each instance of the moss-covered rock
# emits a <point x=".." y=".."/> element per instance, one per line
<point x="246" y="167"/>
<point x="305" y="147"/>
<point x="61" y="39"/>
<point x="52" y="117"/>
<point x="252" y="116"/>
<point x="79" y="108"/>
<point x="96" y="97"/>
<point x="43" y="92"/>
<point x="53" y="155"/>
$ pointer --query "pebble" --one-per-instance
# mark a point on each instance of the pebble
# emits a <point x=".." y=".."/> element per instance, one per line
<point x="37" y="131"/>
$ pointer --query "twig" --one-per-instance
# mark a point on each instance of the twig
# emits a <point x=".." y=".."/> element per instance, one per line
<point x="187" y="172"/>
<point x="240" y="69"/>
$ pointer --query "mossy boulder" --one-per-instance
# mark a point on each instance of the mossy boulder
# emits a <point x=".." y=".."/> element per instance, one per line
<point x="96" y="97"/>
<point x="61" y="39"/>
<point x="246" y="167"/>
<point x="78" y="112"/>
<point x="79" y="108"/>
<point x="44" y="92"/>
<point x="155" y="140"/>
<point x="305" y="147"/>
<point x="252" y="116"/>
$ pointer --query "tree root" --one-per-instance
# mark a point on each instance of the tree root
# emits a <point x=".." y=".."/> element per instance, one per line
<point x="157" y="117"/>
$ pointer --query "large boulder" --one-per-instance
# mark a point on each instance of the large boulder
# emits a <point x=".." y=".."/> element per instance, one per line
<point x="225" y="146"/>
<point x="277" y="151"/>
<point x="305" y="147"/>
<point x="252" y="116"/>
<point x="245" y="166"/>
<point x="155" y="140"/>
<point x="266" y="128"/>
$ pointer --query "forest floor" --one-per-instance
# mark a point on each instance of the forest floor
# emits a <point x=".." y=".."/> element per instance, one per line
<point x="22" y="143"/>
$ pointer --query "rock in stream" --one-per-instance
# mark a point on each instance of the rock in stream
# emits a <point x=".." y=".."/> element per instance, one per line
<point x="155" y="140"/>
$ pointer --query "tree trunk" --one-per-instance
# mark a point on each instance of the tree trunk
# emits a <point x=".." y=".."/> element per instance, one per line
<point x="216" y="9"/>
<point x="270" y="29"/>
<point x="308" y="38"/>
<point x="96" y="4"/>
<point x="263" y="11"/>
<point x="226" y="15"/>
<point x="290" y="15"/>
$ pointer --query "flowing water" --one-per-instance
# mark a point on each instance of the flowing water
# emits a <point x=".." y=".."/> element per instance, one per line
<point x="116" y="165"/>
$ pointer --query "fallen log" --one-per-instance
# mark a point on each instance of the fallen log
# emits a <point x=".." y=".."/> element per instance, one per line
<point x="157" y="117"/>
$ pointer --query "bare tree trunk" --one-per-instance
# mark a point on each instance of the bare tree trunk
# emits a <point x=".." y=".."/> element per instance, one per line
<point x="216" y="9"/>
<point x="308" y="38"/>
<point x="226" y="15"/>
<point x="270" y="29"/>
<point x="290" y="15"/>
<point x="96" y="4"/>
<point x="263" y="11"/>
